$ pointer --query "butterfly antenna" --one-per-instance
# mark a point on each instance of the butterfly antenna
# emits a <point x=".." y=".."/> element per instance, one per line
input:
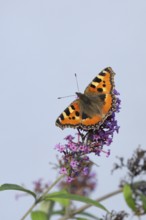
<point x="65" y="96"/>
<point x="71" y="95"/>
<point x="77" y="82"/>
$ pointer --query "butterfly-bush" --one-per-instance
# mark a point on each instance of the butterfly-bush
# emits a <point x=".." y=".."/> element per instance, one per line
<point x="82" y="185"/>
<point x="75" y="152"/>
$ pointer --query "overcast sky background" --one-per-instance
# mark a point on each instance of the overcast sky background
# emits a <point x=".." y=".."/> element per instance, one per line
<point x="42" y="44"/>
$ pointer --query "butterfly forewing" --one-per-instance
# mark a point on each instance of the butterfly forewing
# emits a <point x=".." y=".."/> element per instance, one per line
<point x="102" y="84"/>
<point x="71" y="116"/>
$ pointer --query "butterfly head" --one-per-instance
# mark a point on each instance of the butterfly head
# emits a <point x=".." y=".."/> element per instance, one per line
<point x="83" y="98"/>
<point x="79" y="95"/>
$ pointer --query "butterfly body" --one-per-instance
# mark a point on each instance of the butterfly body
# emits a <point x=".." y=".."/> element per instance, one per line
<point x="90" y="104"/>
<point x="93" y="106"/>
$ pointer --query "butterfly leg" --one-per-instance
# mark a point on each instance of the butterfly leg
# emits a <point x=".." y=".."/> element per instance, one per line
<point x="85" y="136"/>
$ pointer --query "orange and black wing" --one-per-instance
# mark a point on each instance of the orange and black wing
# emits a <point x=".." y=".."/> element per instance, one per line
<point x="101" y="86"/>
<point x="70" y="117"/>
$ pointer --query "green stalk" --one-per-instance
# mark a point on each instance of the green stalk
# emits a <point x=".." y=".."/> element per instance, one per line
<point x="41" y="198"/>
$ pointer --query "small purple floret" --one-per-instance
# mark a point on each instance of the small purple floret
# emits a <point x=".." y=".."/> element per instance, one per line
<point x="73" y="164"/>
<point x="63" y="170"/>
<point x="70" y="179"/>
<point x="85" y="170"/>
<point x="72" y="146"/>
<point x="69" y="137"/>
<point x="60" y="148"/>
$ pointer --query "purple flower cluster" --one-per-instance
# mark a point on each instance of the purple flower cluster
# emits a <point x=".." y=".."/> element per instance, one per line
<point x="75" y="161"/>
<point x="39" y="186"/>
<point x="82" y="185"/>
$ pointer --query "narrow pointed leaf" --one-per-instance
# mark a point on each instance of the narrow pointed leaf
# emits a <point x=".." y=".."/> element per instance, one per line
<point x="87" y="214"/>
<point x="143" y="199"/>
<point x="74" y="197"/>
<point x="63" y="202"/>
<point x="82" y="219"/>
<point x="39" y="215"/>
<point x="8" y="186"/>
<point x="127" y="191"/>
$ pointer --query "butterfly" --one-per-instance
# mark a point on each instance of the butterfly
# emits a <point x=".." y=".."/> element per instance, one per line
<point x="92" y="107"/>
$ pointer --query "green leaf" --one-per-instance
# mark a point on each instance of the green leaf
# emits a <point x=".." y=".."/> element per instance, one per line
<point x="82" y="219"/>
<point x="39" y="215"/>
<point x="63" y="202"/>
<point x="143" y="199"/>
<point x="8" y="186"/>
<point x="58" y="212"/>
<point x="127" y="191"/>
<point x="89" y="215"/>
<point x="62" y="196"/>
<point x="46" y="206"/>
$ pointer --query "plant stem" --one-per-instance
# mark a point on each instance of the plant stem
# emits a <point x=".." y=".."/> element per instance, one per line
<point x="81" y="209"/>
<point x="41" y="197"/>
<point x="50" y="187"/>
<point x="28" y="212"/>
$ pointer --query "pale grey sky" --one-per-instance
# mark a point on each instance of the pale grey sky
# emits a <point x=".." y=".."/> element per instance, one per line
<point x="42" y="44"/>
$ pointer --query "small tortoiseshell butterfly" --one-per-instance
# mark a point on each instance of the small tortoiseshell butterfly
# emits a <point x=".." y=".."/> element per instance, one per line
<point x="92" y="107"/>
